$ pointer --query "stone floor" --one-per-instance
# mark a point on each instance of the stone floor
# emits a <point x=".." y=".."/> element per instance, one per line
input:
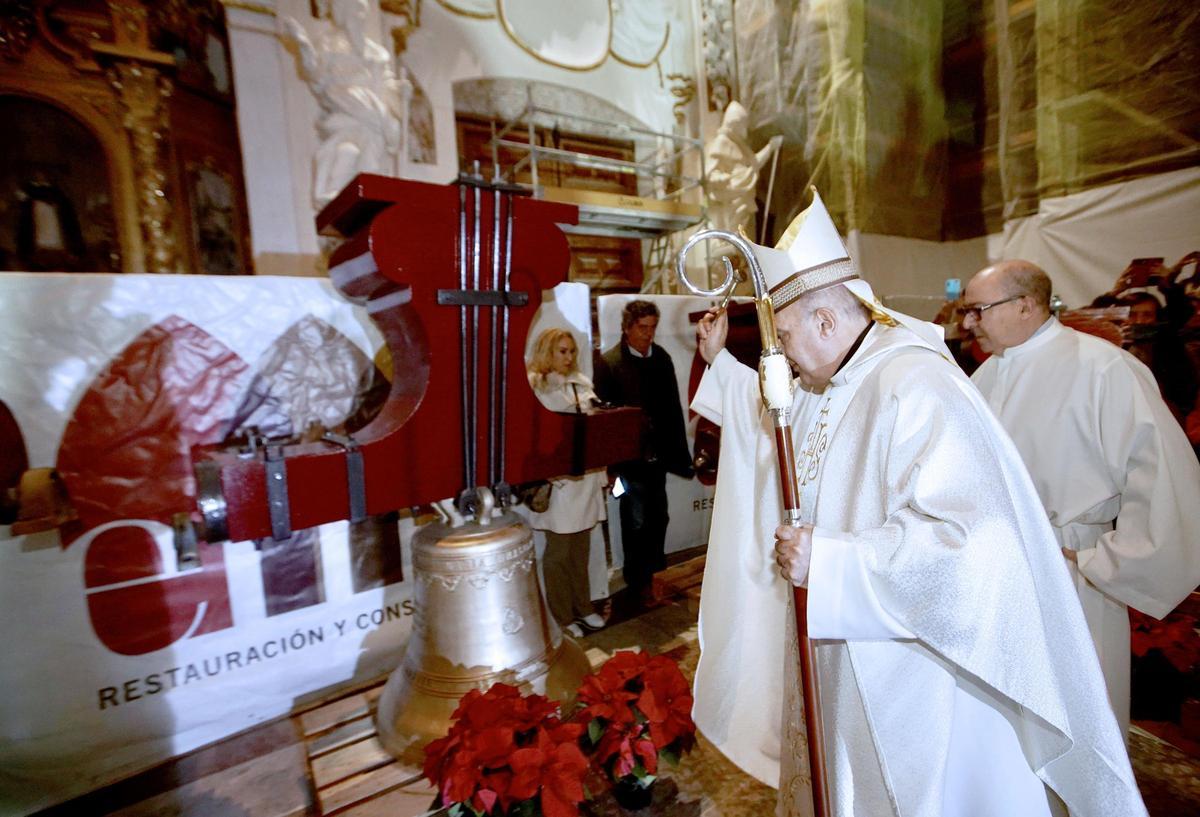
<point x="268" y="771"/>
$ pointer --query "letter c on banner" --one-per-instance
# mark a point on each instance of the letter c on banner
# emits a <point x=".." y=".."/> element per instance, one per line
<point x="139" y="600"/>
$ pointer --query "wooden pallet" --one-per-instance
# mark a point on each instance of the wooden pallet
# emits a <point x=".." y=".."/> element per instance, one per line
<point x="681" y="582"/>
<point x="352" y="773"/>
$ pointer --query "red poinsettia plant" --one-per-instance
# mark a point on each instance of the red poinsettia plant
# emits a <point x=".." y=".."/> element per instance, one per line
<point x="637" y="708"/>
<point x="508" y="755"/>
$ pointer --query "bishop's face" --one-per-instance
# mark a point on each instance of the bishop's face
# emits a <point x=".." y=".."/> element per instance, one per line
<point x="806" y="346"/>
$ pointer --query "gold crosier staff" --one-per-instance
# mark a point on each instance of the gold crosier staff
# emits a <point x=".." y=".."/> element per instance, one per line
<point x="775" y="384"/>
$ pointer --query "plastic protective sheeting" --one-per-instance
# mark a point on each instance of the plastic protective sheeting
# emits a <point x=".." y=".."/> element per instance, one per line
<point x="909" y="267"/>
<point x="1112" y="93"/>
<point x="1085" y="240"/>
<point x="936" y="118"/>
<point x="127" y="654"/>
<point x="853" y="86"/>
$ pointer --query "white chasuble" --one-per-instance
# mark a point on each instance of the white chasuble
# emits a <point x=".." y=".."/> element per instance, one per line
<point x="1115" y="473"/>
<point x="956" y="671"/>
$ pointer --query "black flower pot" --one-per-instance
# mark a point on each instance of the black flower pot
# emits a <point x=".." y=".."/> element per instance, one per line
<point x="632" y="794"/>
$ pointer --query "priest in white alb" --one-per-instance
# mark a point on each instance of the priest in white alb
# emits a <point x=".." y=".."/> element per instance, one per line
<point x="956" y="672"/>
<point x="1114" y="470"/>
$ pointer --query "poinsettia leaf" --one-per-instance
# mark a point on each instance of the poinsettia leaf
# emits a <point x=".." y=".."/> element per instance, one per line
<point x="488" y="798"/>
<point x="595" y="731"/>
<point x="649" y="705"/>
<point x="644" y="777"/>
<point x="525" y="808"/>
<point x="670" y="755"/>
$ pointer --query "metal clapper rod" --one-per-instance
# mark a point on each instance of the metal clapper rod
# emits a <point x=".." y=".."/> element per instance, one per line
<point x="503" y="493"/>
<point x="494" y="351"/>
<point x="475" y="262"/>
<point x="462" y="327"/>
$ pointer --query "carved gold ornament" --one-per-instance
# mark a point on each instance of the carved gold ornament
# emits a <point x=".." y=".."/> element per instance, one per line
<point x="578" y="35"/>
<point x="477" y="9"/>
<point x="143" y="92"/>
<point x="16" y="28"/>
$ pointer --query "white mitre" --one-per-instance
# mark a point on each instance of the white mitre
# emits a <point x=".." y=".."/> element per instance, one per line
<point x="811" y="255"/>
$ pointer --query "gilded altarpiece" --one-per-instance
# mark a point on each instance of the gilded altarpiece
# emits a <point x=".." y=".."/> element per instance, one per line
<point x="124" y="152"/>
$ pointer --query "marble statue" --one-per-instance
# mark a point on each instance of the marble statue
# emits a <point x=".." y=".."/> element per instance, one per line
<point x="364" y="105"/>
<point x="733" y="168"/>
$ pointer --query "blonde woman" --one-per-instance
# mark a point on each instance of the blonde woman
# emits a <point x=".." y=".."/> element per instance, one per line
<point x="576" y="503"/>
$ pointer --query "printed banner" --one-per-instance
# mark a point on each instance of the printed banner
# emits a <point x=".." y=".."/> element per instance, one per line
<point x="690" y="502"/>
<point x="116" y="656"/>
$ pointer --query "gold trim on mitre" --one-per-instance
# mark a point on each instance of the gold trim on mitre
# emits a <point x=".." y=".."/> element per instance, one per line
<point x="793" y="230"/>
<point x="820" y="276"/>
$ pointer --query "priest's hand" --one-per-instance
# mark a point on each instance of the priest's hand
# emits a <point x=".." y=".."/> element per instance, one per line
<point x="793" y="552"/>
<point x="711" y="333"/>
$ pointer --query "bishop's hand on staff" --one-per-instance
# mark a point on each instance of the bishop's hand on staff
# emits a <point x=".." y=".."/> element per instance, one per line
<point x="956" y="672"/>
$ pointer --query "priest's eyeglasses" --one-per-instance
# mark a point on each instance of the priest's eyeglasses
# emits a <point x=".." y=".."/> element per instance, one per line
<point x="977" y="311"/>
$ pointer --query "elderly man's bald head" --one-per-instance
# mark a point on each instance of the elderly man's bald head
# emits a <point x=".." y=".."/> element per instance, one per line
<point x="1024" y="278"/>
<point x="1006" y="303"/>
<point x="819" y="329"/>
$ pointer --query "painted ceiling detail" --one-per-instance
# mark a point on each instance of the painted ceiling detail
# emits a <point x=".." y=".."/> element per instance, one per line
<point x="580" y="35"/>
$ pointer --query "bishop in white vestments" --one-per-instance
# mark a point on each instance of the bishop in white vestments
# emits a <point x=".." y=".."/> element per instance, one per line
<point x="1113" y="468"/>
<point x="956" y="672"/>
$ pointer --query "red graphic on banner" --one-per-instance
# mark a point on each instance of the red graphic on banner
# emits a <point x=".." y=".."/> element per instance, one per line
<point x="125" y="455"/>
<point x="13" y="462"/>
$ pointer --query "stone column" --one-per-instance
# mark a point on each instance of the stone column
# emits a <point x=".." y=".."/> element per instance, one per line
<point x="276" y="122"/>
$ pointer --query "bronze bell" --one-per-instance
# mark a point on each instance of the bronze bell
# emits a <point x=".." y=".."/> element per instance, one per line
<point x="481" y="618"/>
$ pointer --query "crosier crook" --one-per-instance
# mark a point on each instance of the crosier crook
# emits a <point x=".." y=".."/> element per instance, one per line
<point x="775" y="384"/>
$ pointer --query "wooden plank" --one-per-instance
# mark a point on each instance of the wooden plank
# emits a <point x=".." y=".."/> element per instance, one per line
<point x="371" y="784"/>
<point x="334" y="714"/>
<point x="395" y="803"/>
<point x="340" y="736"/>
<point x="273" y="785"/>
<point x="357" y="758"/>
<point x="597" y="656"/>
<point x="679" y="579"/>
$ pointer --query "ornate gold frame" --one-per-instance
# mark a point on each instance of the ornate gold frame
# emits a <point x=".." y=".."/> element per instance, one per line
<point x="100" y="115"/>
<point x="512" y="35"/>
<point x="450" y="6"/>
<point x="474" y="15"/>
<point x="247" y="5"/>
<point x="661" y="47"/>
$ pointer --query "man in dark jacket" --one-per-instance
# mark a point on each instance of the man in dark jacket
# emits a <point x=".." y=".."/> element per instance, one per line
<point x="638" y="372"/>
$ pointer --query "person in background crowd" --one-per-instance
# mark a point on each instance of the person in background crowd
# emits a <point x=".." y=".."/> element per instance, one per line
<point x="576" y="504"/>
<point x="1184" y="319"/>
<point x="1110" y="463"/>
<point x="1151" y="341"/>
<point x="639" y="372"/>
